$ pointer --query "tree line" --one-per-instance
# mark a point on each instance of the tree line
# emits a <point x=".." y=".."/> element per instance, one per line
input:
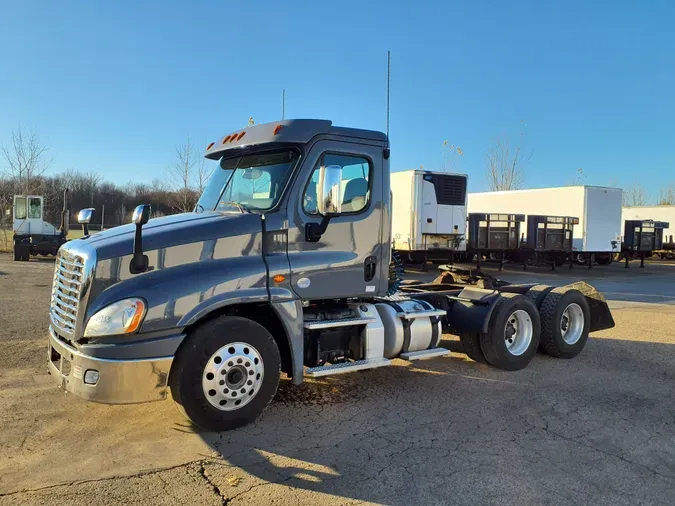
<point x="24" y="163"/>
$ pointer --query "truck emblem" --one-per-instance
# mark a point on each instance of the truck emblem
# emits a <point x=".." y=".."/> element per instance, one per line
<point x="304" y="283"/>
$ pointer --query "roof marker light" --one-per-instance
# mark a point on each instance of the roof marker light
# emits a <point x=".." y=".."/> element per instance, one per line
<point x="226" y="139"/>
<point x="240" y="136"/>
<point x="277" y="129"/>
<point x="210" y="146"/>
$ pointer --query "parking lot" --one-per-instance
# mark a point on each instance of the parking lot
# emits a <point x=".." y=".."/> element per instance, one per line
<point x="598" y="429"/>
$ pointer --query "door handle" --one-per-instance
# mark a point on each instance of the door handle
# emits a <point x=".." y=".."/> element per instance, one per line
<point x="369" y="268"/>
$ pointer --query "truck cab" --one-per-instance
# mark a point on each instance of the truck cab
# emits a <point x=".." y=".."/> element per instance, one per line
<point x="284" y="266"/>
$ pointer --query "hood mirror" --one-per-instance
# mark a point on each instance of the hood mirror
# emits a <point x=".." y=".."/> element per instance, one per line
<point x="139" y="262"/>
<point x="84" y="217"/>
<point x="141" y="214"/>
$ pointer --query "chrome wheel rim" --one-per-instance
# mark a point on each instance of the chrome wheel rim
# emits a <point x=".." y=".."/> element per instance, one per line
<point x="233" y="376"/>
<point x="518" y="332"/>
<point x="572" y="323"/>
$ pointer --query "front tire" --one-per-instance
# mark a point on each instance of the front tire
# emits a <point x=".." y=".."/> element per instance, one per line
<point x="226" y="373"/>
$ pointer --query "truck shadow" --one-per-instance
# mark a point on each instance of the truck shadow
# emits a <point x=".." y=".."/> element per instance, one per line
<point x="438" y="430"/>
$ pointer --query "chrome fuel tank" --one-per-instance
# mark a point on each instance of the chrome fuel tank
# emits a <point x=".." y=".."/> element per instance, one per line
<point x="409" y="325"/>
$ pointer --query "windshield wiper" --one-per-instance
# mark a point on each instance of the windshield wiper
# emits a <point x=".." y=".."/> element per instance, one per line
<point x="232" y="203"/>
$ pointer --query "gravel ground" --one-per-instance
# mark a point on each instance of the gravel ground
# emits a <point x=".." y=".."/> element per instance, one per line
<point x="598" y="429"/>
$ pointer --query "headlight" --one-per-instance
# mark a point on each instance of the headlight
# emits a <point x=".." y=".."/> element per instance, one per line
<point x="122" y="317"/>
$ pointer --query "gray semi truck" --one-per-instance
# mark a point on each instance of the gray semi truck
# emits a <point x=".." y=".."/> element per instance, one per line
<point x="285" y="265"/>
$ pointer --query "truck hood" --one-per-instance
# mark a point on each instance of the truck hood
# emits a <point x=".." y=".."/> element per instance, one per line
<point x="172" y="230"/>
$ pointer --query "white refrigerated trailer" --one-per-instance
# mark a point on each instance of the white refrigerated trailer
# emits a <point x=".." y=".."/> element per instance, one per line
<point x="655" y="213"/>
<point x="428" y="213"/>
<point x="598" y="209"/>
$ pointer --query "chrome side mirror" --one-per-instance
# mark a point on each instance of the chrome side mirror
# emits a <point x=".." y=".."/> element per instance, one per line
<point x="141" y="214"/>
<point x="85" y="215"/>
<point x="329" y="191"/>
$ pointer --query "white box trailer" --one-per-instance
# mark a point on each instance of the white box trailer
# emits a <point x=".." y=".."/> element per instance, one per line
<point x="598" y="209"/>
<point x="655" y="213"/>
<point x="428" y="211"/>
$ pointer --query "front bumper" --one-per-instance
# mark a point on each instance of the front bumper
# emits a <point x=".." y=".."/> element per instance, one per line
<point x="119" y="381"/>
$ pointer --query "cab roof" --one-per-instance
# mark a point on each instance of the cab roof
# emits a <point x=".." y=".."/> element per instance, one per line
<point x="288" y="131"/>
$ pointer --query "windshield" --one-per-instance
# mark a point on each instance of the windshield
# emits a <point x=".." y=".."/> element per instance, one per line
<point x="252" y="182"/>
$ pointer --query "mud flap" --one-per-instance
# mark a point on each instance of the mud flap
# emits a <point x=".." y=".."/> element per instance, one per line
<point x="470" y="311"/>
<point x="601" y="317"/>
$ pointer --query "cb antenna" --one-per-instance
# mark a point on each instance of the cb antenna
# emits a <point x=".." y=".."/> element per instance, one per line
<point x="388" y="81"/>
<point x="283" y="104"/>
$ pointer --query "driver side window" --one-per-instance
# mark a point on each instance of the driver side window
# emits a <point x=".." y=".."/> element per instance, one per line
<point x="356" y="173"/>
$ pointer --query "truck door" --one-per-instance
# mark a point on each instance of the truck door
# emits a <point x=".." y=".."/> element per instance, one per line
<point x="345" y="261"/>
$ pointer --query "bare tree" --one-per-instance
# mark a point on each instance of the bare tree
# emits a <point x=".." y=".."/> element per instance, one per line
<point x="25" y="159"/>
<point x="91" y="182"/>
<point x="451" y="154"/>
<point x="181" y="175"/>
<point x="667" y="196"/>
<point x="505" y="162"/>
<point x="203" y="174"/>
<point x="635" y="195"/>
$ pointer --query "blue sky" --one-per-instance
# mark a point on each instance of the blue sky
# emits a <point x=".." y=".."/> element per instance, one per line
<point x="114" y="86"/>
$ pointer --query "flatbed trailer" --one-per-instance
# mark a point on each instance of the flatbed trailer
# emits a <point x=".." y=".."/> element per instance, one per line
<point x="499" y="236"/>
<point x="285" y="266"/>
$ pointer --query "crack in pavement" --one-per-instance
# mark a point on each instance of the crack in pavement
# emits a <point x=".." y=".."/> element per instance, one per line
<point x="139" y="474"/>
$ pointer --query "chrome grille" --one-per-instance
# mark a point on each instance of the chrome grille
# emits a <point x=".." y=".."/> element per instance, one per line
<point x="66" y="291"/>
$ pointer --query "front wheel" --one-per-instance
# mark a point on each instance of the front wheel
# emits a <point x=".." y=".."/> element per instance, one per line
<point x="226" y="373"/>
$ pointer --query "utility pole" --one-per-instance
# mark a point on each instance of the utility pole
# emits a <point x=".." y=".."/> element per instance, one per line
<point x="102" y="216"/>
<point x="388" y="81"/>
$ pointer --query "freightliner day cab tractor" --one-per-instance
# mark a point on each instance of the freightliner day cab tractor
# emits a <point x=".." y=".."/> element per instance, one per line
<point x="284" y="266"/>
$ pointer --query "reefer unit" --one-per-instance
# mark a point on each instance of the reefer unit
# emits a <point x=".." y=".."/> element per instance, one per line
<point x="656" y="213"/>
<point x="428" y="210"/>
<point x="598" y="209"/>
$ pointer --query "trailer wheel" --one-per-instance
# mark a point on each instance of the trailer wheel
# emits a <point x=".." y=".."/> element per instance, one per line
<point x="584" y="258"/>
<point x="604" y="259"/>
<point x="513" y="336"/>
<point x="565" y="320"/>
<point x="538" y="293"/>
<point x="471" y="345"/>
<point x="225" y="373"/>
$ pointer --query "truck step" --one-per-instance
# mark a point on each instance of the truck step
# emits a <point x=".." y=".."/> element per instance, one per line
<point x="421" y="314"/>
<point x="422" y="354"/>
<point x="345" y="322"/>
<point x="345" y="367"/>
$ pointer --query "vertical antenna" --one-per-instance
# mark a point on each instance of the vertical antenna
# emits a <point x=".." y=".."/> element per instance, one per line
<point x="283" y="104"/>
<point x="388" y="79"/>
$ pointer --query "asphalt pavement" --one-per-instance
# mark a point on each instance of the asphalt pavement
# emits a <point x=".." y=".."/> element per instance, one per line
<point x="597" y="429"/>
